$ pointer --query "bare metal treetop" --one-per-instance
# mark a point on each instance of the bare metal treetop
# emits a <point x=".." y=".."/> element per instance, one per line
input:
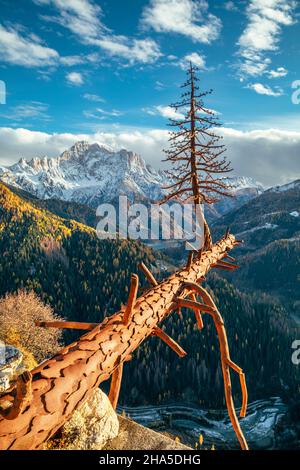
<point x="196" y="152"/>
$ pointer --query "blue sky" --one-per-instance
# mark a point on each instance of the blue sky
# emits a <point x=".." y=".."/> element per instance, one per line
<point x="106" y="70"/>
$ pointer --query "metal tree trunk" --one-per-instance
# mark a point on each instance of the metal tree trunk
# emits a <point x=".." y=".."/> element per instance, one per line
<point x="61" y="384"/>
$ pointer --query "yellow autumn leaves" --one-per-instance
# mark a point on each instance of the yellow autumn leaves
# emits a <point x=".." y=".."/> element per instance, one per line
<point x="200" y="444"/>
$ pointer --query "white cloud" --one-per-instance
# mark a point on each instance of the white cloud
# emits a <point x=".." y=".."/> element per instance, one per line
<point x="75" y="78"/>
<point x="15" y="143"/>
<point x="100" y="113"/>
<point x="265" y="90"/>
<point x="94" y="98"/>
<point x="278" y="73"/>
<point x="187" y="17"/>
<point x="195" y="59"/>
<point x="169" y="112"/>
<point x="71" y="60"/>
<point x="270" y="156"/>
<point x="217" y="113"/>
<point x="90" y="114"/>
<point x="25" y="51"/>
<point x="84" y="19"/>
<point x="113" y="112"/>
<point x="266" y="18"/>
<point x="134" y="50"/>
<point x="159" y="85"/>
<point x="31" y="110"/>
<point x="230" y="6"/>
<point x="265" y="21"/>
<point x="254" y="66"/>
<point x="29" y="51"/>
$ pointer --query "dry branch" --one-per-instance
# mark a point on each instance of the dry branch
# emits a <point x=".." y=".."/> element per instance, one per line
<point x="169" y="341"/>
<point x="131" y="299"/>
<point x="115" y="386"/>
<point x="226" y="362"/>
<point x="66" y="325"/>
<point x="148" y="274"/>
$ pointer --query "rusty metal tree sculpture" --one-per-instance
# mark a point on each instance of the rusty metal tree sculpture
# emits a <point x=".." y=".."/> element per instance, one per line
<point x="196" y="154"/>
<point x="43" y="399"/>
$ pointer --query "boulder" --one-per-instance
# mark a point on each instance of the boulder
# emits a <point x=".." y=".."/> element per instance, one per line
<point x="10" y="364"/>
<point x="90" y="427"/>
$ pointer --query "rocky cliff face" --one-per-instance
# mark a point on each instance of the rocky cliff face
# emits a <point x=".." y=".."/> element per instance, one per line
<point x="10" y="365"/>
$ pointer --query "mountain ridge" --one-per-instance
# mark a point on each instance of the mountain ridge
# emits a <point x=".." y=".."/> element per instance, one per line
<point x="92" y="174"/>
<point x="86" y="173"/>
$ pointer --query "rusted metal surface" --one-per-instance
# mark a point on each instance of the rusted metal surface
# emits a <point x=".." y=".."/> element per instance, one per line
<point x="148" y="275"/>
<point x="134" y="286"/>
<point x="115" y="385"/>
<point x="67" y="324"/>
<point x="61" y="384"/>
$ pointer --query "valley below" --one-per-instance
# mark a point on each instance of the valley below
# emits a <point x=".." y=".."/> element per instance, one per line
<point x="264" y="426"/>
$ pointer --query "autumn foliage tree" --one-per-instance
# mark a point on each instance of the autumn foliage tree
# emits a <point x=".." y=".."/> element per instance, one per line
<point x="196" y="154"/>
<point x="18" y="313"/>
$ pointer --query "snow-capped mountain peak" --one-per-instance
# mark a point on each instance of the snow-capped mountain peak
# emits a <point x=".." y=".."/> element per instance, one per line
<point x="87" y="173"/>
<point x="83" y="150"/>
<point x="95" y="173"/>
<point x="245" y="182"/>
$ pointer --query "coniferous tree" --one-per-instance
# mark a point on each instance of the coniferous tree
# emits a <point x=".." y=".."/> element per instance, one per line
<point x="196" y="154"/>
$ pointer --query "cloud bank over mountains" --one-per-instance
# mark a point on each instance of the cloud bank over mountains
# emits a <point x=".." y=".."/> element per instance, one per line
<point x="269" y="156"/>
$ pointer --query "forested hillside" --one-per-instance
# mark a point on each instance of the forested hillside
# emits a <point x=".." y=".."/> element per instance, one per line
<point x="65" y="209"/>
<point x="63" y="261"/>
<point x="270" y="228"/>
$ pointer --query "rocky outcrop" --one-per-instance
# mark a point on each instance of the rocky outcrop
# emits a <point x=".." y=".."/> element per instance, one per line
<point x="10" y="365"/>
<point x="96" y="426"/>
<point x="90" y="427"/>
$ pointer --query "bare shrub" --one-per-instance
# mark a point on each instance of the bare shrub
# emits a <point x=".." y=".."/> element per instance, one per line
<point x="18" y="314"/>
